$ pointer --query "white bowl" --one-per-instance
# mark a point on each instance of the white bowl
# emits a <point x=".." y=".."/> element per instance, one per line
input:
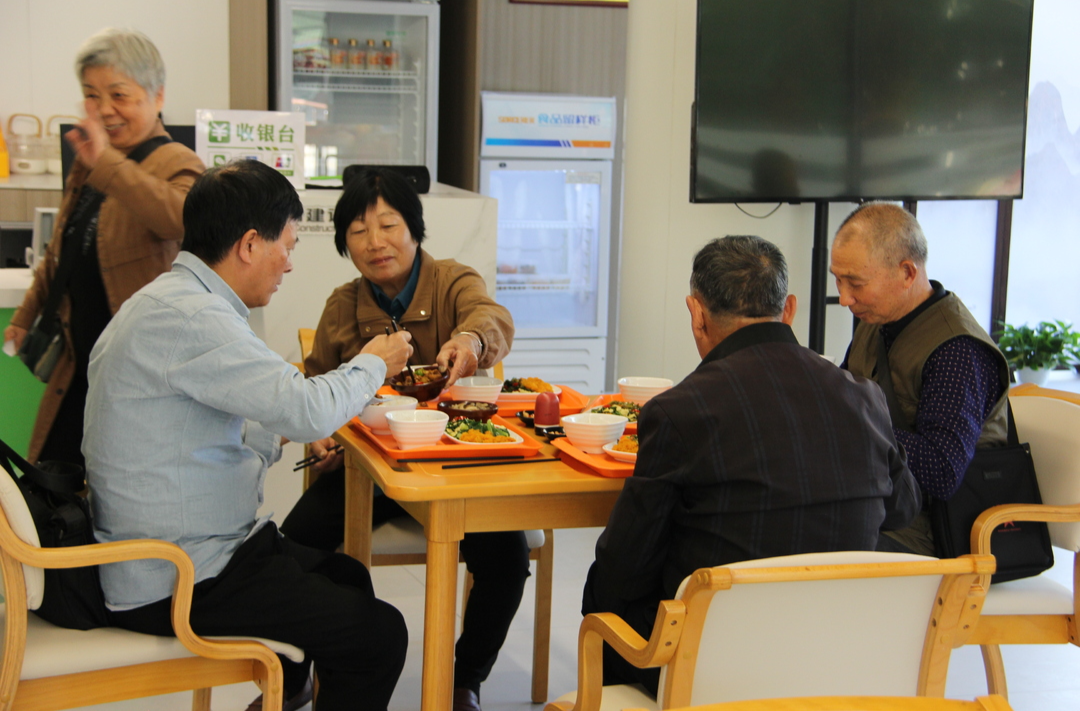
<point x="477" y="387"/>
<point x="374" y="415"/>
<point x="416" y="428"/>
<point x="641" y="390"/>
<point x="590" y="431"/>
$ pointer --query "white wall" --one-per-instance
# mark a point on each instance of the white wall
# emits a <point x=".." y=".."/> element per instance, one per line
<point x="38" y="40"/>
<point x="661" y="228"/>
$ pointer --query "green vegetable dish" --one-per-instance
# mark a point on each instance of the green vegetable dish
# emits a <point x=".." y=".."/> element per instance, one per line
<point x="484" y="431"/>
<point x="629" y="410"/>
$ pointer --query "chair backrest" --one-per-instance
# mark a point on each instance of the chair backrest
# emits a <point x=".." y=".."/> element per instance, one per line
<point x="1051" y="425"/>
<point x="799" y="635"/>
<point x="16" y="517"/>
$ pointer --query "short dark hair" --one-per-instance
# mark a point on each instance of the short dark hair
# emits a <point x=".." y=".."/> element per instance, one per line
<point x="364" y="190"/>
<point x="227" y="201"/>
<point x="740" y="275"/>
<point x="890" y="231"/>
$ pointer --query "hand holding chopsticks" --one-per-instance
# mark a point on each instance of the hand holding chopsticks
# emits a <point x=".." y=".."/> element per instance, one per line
<point x="315" y="458"/>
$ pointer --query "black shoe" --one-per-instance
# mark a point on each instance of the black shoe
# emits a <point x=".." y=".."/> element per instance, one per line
<point x="301" y="698"/>
<point x="466" y="700"/>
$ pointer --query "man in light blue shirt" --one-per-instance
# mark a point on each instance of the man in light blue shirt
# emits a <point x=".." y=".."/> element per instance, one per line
<point x="186" y="411"/>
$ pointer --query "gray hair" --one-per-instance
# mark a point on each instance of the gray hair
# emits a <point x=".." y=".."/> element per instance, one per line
<point x="892" y="234"/>
<point x="128" y="51"/>
<point x="740" y="275"/>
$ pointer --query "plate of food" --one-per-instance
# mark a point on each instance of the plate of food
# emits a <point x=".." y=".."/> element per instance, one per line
<point x="462" y="430"/>
<point x="525" y="390"/>
<point x="617" y="405"/>
<point x="625" y="450"/>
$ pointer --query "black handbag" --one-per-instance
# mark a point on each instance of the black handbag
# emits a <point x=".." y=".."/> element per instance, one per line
<point x="1001" y="475"/>
<point x="995" y="476"/>
<point x="73" y="596"/>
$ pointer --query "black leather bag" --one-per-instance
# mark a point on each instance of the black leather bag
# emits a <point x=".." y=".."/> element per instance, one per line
<point x="42" y="346"/>
<point x="1002" y="475"/>
<point x="73" y="596"/>
<point x="995" y="476"/>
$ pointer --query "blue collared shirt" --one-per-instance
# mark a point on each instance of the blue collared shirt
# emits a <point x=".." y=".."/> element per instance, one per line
<point x="185" y="413"/>
<point x="396" y="307"/>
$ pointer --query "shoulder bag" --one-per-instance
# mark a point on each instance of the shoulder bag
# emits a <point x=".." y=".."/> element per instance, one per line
<point x="996" y="475"/>
<point x="73" y="596"/>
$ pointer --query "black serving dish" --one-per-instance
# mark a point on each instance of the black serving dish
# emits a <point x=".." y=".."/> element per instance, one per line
<point x="526" y="416"/>
<point x="552" y="432"/>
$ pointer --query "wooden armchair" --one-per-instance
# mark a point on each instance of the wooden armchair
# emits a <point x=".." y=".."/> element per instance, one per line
<point x="1036" y="610"/>
<point x="859" y="623"/>
<point x="860" y="703"/>
<point x="402" y="541"/>
<point x="45" y="667"/>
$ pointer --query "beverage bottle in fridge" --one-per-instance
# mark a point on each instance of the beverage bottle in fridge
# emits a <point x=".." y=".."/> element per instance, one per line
<point x="389" y="57"/>
<point x="338" y="55"/>
<point x="374" y="56"/>
<point x="357" y="56"/>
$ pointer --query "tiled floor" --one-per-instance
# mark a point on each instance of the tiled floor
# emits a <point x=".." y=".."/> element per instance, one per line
<point x="1041" y="678"/>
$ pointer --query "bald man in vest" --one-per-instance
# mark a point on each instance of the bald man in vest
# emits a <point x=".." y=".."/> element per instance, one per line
<point x="949" y="378"/>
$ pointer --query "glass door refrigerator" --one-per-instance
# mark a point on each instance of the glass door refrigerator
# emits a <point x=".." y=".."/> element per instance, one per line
<point x="547" y="160"/>
<point x="365" y="75"/>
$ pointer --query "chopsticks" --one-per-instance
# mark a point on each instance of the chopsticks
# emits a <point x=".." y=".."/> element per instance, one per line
<point x="495" y="464"/>
<point x="315" y="458"/>
<point x="460" y="459"/>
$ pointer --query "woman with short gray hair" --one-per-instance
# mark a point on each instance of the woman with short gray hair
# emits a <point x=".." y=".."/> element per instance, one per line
<point x="119" y="225"/>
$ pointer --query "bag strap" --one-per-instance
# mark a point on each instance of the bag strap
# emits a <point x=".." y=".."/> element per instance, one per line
<point x="71" y="482"/>
<point x="897" y="414"/>
<point x="77" y="227"/>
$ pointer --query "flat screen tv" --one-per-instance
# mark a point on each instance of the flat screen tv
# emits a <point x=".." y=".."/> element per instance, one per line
<point x="837" y="100"/>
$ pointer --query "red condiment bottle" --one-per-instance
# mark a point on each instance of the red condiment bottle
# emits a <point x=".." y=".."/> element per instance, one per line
<point x="547" y="410"/>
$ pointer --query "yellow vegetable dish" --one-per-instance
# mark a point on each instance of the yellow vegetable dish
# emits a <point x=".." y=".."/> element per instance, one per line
<point x="627" y="443"/>
<point x="483" y="437"/>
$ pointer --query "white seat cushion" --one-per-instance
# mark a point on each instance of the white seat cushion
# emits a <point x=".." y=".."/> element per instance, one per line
<point x="620" y="696"/>
<point x="1029" y="596"/>
<point x="405" y="536"/>
<point x="52" y="650"/>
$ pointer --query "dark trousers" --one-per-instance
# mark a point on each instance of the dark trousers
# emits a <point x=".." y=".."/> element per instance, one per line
<point x="639" y="614"/>
<point x="499" y="563"/>
<point x="322" y="603"/>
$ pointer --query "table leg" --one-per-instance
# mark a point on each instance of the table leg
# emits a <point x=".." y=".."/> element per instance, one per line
<point x="444" y="530"/>
<point x="359" y="494"/>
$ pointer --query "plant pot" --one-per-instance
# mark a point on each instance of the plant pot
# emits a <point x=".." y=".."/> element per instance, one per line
<point x="1028" y="375"/>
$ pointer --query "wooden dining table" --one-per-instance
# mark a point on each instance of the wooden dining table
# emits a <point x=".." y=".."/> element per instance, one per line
<point x="450" y="503"/>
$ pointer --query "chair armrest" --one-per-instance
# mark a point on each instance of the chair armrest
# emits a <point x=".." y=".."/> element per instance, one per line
<point x="995" y="516"/>
<point x="598" y="628"/>
<point x="119" y="551"/>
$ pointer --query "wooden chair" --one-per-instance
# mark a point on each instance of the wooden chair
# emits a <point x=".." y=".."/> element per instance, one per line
<point x="1036" y="610"/>
<point x="860" y="703"/>
<point x="45" y="667"/>
<point x="854" y="622"/>
<point x="401" y="541"/>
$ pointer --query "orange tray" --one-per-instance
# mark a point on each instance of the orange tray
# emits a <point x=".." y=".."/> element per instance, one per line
<point x="602" y="464"/>
<point x="528" y="447"/>
<point x="631" y="427"/>
<point x="570" y="402"/>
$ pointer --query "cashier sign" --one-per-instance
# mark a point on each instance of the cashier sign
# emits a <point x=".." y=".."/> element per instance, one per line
<point x="272" y="137"/>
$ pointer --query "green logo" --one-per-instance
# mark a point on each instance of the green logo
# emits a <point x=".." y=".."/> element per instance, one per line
<point x="219" y="159"/>
<point x="220" y="131"/>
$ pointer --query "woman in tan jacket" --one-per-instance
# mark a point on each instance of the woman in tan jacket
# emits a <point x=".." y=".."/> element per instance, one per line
<point x="379" y="224"/>
<point x="120" y="221"/>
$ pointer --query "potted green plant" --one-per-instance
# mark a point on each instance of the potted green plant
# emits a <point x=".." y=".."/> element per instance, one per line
<point x="1034" y="352"/>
